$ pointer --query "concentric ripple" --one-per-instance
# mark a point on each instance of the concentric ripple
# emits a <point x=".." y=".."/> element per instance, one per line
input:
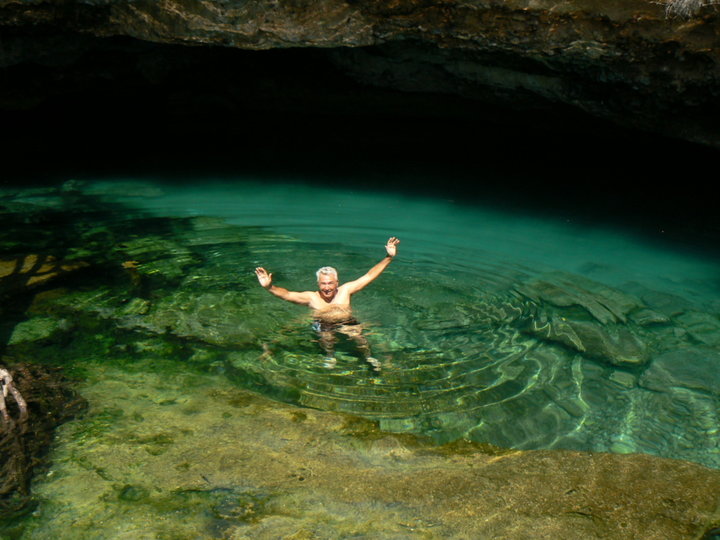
<point x="448" y="357"/>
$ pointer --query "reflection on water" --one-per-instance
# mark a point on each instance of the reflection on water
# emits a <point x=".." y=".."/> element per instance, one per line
<point x="497" y="328"/>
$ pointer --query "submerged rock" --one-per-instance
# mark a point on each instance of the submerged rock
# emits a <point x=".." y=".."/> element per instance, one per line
<point x="695" y="369"/>
<point x="37" y="329"/>
<point x="269" y="470"/>
<point x="667" y="304"/>
<point x="702" y="327"/>
<point x="24" y="441"/>
<point x="216" y="318"/>
<point x="648" y="317"/>
<point x="560" y="289"/>
<point x="586" y="316"/>
<point x="616" y="344"/>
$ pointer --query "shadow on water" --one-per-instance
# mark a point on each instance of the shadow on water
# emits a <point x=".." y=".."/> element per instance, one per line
<point x="125" y="108"/>
<point x="54" y="240"/>
<point x="76" y="240"/>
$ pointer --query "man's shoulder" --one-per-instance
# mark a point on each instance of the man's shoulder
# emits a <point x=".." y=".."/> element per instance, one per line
<point x="313" y="297"/>
<point x="346" y="287"/>
<point x="305" y="296"/>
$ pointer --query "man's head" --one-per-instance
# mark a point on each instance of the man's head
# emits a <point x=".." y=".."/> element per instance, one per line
<point x="327" y="278"/>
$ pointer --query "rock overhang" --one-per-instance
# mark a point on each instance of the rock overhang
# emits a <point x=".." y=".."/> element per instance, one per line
<point x="627" y="62"/>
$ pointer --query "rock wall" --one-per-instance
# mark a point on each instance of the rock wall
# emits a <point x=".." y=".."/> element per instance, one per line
<point x="624" y="61"/>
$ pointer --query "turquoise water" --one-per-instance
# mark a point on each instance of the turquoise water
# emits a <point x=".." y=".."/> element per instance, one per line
<point x="508" y="328"/>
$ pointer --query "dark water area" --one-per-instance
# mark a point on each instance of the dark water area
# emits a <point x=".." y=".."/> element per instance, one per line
<point x="134" y="109"/>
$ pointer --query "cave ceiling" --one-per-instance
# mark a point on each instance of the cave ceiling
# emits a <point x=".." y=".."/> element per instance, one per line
<point x="629" y="62"/>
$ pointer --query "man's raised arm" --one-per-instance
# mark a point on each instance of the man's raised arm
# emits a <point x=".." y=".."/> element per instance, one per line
<point x="265" y="280"/>
<point x="375" y="271"/>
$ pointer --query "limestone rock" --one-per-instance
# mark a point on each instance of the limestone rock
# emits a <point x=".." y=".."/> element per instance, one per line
<point x="597" y="329"/>
<point x="696" y="369"/>
<point x="703" y="327"/>
<point x="560" y="289"/>
<point x="624" y="61"/>
<point x="37" y="328"/>
<point x="270" y="470"/>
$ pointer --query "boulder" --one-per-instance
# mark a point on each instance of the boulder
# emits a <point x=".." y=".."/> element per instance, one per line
<point x="560" y="289"/>
<point x="696" y="369"/>
<point x="614" y="344"/>
<point x="586" y="316"/>
<point x="703" y="327"/>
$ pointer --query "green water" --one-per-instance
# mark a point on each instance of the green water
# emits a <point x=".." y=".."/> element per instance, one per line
<point x="497" y="327"/>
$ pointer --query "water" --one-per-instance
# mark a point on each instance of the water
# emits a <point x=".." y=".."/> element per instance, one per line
<point x="511" y="329"/>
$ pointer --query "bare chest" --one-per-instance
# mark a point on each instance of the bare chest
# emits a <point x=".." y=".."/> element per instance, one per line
<point x="340" y="301"/>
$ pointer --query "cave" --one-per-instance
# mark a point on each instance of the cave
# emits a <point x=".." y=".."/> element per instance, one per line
<point x="122" y="106"/>
<point x="585" y="114"/>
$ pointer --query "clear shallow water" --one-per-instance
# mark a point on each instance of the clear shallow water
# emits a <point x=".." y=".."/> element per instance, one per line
<point x="502" y="328"/>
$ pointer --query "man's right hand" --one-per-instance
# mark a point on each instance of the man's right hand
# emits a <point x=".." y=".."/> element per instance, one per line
<point x="264" y="278"/>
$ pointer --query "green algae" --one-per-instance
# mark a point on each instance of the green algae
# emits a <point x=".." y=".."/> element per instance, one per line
<point x="133" y="493"/>
<point x="462" y="374"/>
<point x="100" y="422"/>
<point x="265" y="475"/>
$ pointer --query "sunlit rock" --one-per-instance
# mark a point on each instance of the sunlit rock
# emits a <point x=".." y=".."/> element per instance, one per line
<point x="239" y="465"/>
<point x="22" y="272"/>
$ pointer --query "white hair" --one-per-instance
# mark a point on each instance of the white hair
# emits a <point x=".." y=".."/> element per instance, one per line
<point x="326" y="271"/>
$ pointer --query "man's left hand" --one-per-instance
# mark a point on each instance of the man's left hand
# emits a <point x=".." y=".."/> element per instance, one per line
<point x="391" y="246"/>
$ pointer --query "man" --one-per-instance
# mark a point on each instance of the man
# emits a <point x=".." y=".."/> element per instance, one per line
<point x="331" y="304"/>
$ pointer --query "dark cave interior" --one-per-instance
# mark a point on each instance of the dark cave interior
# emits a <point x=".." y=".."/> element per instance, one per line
<point x="120" y="107"/>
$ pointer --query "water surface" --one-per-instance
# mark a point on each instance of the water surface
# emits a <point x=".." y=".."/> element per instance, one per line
<point x="508" y="328"/>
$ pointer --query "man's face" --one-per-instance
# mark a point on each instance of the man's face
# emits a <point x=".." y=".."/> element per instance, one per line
<point x="327" y="285"/>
